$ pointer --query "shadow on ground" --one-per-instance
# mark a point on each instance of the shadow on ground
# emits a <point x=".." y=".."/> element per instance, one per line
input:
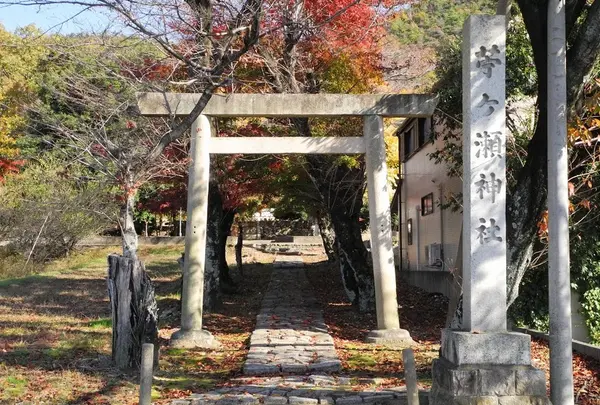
<point x="421" y="313"/>
<point x="56" y="334"/>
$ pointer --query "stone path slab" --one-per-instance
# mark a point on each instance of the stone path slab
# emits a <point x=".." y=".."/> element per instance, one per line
<point x="290" y="335"/>
<point x="313" y="389"/>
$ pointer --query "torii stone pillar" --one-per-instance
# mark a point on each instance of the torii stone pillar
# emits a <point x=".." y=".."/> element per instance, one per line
<point x="388" y="323"/>
<point x="191" y="334"/>
<point x="484" y="363"/>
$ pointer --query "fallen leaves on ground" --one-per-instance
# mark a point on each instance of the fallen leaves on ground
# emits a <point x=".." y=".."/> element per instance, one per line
<point x="56" y="333"/>
<point x="349" y="329"/>
<point x="57" y="352"/>
<point x="586" y="372"/>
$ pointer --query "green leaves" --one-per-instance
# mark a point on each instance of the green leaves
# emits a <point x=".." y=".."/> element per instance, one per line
<point x="590" y="305"/>
<point x="521" y="76"/>
<point x="434" y="22"/>
<point x="47" y="208"/>
<point x="19" y="57"/>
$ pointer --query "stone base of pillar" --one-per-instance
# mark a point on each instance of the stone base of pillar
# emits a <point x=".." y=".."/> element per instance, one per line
<point x="390" y="337"/>
<point x="486" y="369"/>
<point x="192" y="339"/>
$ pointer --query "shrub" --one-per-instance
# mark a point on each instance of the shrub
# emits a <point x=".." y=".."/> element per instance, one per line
<point x="44" y="212"/>
<point x="590" y="304"/>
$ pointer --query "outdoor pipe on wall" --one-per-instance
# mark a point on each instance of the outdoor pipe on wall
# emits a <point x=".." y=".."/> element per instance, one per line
<point x="418" y="236"/>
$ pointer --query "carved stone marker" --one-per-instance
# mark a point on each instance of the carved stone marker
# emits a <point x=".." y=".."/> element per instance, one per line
<point x="484" y="191"/>
<point x="483" y="363"/>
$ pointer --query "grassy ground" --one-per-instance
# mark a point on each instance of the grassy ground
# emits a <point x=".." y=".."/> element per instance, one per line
<point x="55" y="333"/>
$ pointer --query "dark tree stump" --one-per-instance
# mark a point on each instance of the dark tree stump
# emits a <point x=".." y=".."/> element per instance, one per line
<point x="133" y="309"/>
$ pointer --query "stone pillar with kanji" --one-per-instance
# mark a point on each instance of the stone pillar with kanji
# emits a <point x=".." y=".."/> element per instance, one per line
<point x="483" y="363"/>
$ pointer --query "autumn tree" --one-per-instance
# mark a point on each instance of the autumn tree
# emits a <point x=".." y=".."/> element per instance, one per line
<point x="297" y="196"/>
<point x="238" y="184"/>
<point x="223" y="31"/>
<point x="584" y="181"/>
<point x="526" y="75"/>
<point x="528" y="198"/>
<point x="202" y="37"/>
<point x="86" y="110"/>
<point x="160" y="197"/>
<point x="330" y="46"/>
<point x="20" y="55"/>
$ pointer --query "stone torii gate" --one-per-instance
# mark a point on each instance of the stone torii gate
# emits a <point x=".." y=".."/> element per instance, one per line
<point x="373" y="108"/>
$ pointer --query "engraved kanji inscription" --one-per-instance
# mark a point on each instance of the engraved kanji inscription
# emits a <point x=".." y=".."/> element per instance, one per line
<point x="487" y="234"/>
<point x="487" y="60"/>
<point x="488" y="104"/>
<point x="488" y="144"/>
<point x="488" y="185"/>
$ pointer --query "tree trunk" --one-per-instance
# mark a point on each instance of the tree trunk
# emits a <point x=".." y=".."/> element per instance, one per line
<point x="226" y="282"/>
<point x="454" y="314"/>
<point x="128" y="234"/>
<point x="527" y="200"/>
<point x="355" y="265"/>
<point x="342" y="188"/>
<point x="133" y="310"/>
<point x="211" y="267"/>
<point x="238" y="249"/>
<point x="327" y="236"/>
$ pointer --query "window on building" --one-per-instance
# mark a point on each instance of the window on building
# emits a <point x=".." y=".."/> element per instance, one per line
<point x="415" y="136"/>
<point x="427" y="204"/>
<point x="409" y="143"/>
<point x="423" y="133"/>
<point x="409" y="232"/>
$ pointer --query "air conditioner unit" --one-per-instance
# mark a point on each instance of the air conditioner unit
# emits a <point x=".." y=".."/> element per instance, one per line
<point x="433" y="253"/>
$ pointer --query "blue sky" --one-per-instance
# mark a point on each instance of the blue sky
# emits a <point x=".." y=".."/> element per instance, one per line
<point x="58" y="18"/>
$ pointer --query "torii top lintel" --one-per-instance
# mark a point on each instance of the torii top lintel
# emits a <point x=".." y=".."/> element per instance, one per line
<point x="290" y="105"/>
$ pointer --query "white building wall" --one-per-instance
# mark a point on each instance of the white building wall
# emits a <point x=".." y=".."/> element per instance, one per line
<point x="421" y="177"/>
<point x="580" y="330"/>
<point x="265" y="214"/>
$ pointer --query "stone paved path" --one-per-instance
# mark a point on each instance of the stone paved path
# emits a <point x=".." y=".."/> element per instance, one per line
<point x="308" y="390"/>
<point x="290" y="335"/>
